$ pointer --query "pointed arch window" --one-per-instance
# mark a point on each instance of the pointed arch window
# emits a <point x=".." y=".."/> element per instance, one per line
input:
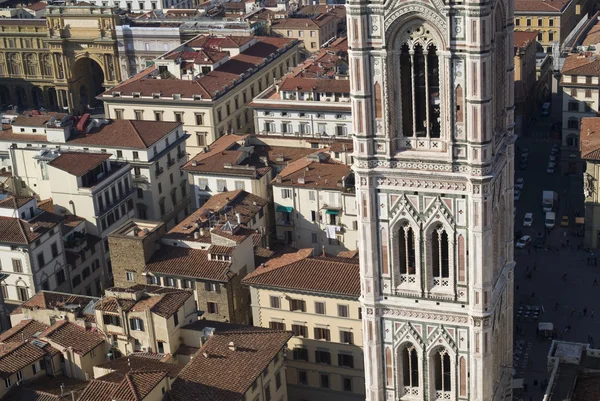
<point x="440" y="255"/>
<point x="442" y="371"/>
<point x="407" y="252"/>
<point x="420" y="90"/>
<point x="410" y="367"/>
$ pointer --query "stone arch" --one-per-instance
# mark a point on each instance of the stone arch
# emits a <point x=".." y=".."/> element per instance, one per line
<point x="5" y="97"/>
<point x="444" y="253"/>
<point x="88" y="77"/>
<point x="415" y="349"/>
<point x="442" y="373"/>
<point x="21" y="99"/>
<point x="404" y="243"/>
<point x="37" y="97"/>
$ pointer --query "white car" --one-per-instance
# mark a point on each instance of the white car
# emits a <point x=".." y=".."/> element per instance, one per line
<point x="517" y="195"/>
<point x="524" y="242"/>
<point x="519" y="183"/>
<point x="550" y="169"/>
<point x="528" y="220"/>
<point x="552" y="158"/>
<point x="551" y="163"/>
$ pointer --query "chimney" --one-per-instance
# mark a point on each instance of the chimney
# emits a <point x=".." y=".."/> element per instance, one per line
<point x="196" y="235"/>
<point x="323" y="247"/>
<point x="62" y="389"/>
<point x="72" y="395"/>
<point x="232" y="346"/>
<point x="239" y="218"/>
<point x="201" y="231"/>
<point x="205" y="354"/>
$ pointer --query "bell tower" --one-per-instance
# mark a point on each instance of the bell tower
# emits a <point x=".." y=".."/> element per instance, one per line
<point x="432" y="104"/>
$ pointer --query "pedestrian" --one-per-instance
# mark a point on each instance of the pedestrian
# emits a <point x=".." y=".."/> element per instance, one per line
<point x="533" y="295"/>
<point x="584" y="311"/>
<point x="596" y="282"/>
<point x="517" y="288"/>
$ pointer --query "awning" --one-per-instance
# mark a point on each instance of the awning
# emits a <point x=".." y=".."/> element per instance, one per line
<point x="579" y="220"/>
<point x="330" y="211"/>
<point x="288" y="209"/>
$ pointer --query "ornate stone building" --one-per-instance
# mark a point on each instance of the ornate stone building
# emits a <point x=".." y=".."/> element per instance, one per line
<point x="432" y="105"/>
<point x="61" y="62"/>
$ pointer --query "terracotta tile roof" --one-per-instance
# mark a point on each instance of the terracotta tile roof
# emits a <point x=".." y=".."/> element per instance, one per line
<point x="46" y="389"/>
<point x="135" y="134"/>
<point x="34" y="120"/>
<point x="589" y="138"/>
<point x="40" y="5"/>
<point x="232" y="162"/>
<point x="68" y="334"/>
<point x="212" y="84"/>
<point x="300" y="271"/>
<point x="46" y="204"/>
<point x="587" y="388"/>
<point x="315" y="85"/>
<point x="135" y="362"/>
<point x="341" y="145"/>
<point x="24" y="330"/>
<point x="221" y="250"/>
<point x="135" y="386"/>
<point x="57" y="300"/>
<point x="70" y="222"/>
<point x="338" y="11"/>
<point x="322" y="175"/>
<point x="239" y="234"/>
<point x="549" y="6"/>
<point x="524" y="38"/>
<point x="187" y="262"/>
<point x="164" y="305"/>
<point x="593" y="35"/>
<point x="113" y="304"/>
<point x="15" y="356"/>
<point x="240" y="202"/>
<point x="348" y="254"/>
<point x="98" y="390"/>
<point x="17" y="231"/>
<point x="79" y="163"/>
<point x="576" y="64"/>
<point x="302" y="23"/>
<point x="14" y="201"/>
<point x="210" y="378"/>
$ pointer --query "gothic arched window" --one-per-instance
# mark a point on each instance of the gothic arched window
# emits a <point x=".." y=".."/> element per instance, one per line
<point x="442" y="371"/>
<point x="406" y="247"/>
<point x="410" y="367"/>
<point x="420" y="89"/>
<point x="440" y="256"/>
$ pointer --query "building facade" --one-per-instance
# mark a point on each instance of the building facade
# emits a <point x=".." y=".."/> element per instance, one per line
<point x="317" y="299"/>
<point x="56" y="62"/>
<point x="590" y="153"/>
<point x="433" y="158"/>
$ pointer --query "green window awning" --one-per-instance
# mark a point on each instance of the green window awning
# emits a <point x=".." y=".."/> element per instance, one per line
<point x="284" y="209"/>
<point x="329" y="211"/>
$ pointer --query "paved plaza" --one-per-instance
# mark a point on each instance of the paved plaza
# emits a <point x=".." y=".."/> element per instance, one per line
<point x="555" y="285"/>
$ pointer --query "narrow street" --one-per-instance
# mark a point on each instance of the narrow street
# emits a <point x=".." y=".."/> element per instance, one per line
<point x="555" y="283"/>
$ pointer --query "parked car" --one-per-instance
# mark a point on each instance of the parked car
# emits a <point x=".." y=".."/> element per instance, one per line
<point x="550" y="168"/>
<point x="552" y="158"/>
<point x="524" y="242"/>
<point x="528" y="220"/>
<point x="564" y="221"/>
<point x="519" y="183"/>
<point x="517" y="195"/>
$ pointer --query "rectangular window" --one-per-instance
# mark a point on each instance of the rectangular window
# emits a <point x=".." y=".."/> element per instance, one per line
<point x="22" y="293"/>
<point x="342" y="310"/>
<point x="300" y="330"/>
<point x="130" y="276"/>
<point x="346" y="337"/>
<point x="212" y="307"/>
<point x="239" y="185"/>
<point x="323" y="357"/>
<point x="118" y="114"/>
<point x="176" y="319"/>
<point x="212" y="287"/>
<point x="7" y="382"/>
<point x="314" y="238"/>
<point x="297" y="305"/>
<point x="540" y="22"/>
<point x="302" y="377"/>
<point x="286" y="193"/>
<point x="158" y="116"/>
<point x="324" y="380"/>
<point x="550" y="22"/>
<point x="40" y="260"/>
<point x="139" y="114"/>
<point x="588" y="93"/>
<point x="346" y="360"/>
<point x="221" y="186"/>
<point x="320" y="308"/>
<point x="136" y="324"/>
<point x="322" y="333"/>
<point x="277" y="325"/>
<point x="300" y="354"/>
<point x="347" y="383"/>
<point x="550" y="36"/>
<point x="311" y="195"/>
<point x="17" y="266"/>
<point x="277" y="380"/>
<point x="178" y="117"/>
<point x="275" y="302"/>
<point x="54" y="248"/>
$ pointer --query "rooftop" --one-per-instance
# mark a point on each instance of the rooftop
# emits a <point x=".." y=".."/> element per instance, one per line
<point x="524" y="38"/>
<point x="318" y="171"/>
<point x="303" y="23"/>
<point x="161" y="301"/>
<point x="70" y="335"/>
<point x="79" y="163"/>
<point x="210" y="85"/>
<point x="15" y="356"/>
<point x="135" y="362"/>
<point x="188" y="262"/>
<point x="581" y="64"/>
<point x="545" y="6"/>
<point x="14" y="201"/>
<point x="302" y="271"/>
<point x="204" y="377"/>
<point x="589" y="138"/>
<point x="57" y="388"/>
<point x="23" y="232"/>
<point x="52" y="300"/>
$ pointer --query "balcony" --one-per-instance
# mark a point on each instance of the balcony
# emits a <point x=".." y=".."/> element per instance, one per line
<point x="158" y="172"/>
<point x="115" y="203"/>
<point x="283" y="222"/>
<point x="181" y="155"/>
<point x="170" y="163"/>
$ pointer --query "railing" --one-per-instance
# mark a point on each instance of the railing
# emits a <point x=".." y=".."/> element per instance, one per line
<point x="170" y="162"/>
<point x="282" y="222"/>
<point x="106" y="208"/>
<point x="158" y="172"/>
<point x="139" y="178"/>
<point x="181" y="155"/>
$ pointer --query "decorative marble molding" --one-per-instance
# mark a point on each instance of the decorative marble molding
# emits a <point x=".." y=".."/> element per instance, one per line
<point x="425" y="315"/>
